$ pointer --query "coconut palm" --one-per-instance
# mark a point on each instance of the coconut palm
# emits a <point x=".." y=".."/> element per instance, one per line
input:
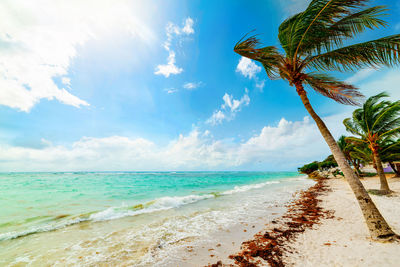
<point x="389" y="152"/>
<point x="312" y="41"/>
<point x="375" y="124"/>
<point x="347" y="148"/>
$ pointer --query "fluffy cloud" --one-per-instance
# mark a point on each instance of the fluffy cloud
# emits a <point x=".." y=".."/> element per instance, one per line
<point x="217" y="118"/>
<point x="247" y="67"/>
<point x="229" y="108"/>
<point x="40" y="39"/>
<point x="169" y="68"/>
<point x="281" y="147"/>
<point x="173" y="30"/>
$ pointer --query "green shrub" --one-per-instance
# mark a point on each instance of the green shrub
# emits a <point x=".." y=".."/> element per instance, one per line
<point x="309" y="168"/>
<point x="327" y="163"/>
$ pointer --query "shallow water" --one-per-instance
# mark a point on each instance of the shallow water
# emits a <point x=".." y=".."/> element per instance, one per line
<point x="127" y="218"/>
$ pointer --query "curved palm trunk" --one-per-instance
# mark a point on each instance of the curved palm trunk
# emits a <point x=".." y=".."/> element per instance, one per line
<point x="378" y="227"/>
<point x="382" y="177"/>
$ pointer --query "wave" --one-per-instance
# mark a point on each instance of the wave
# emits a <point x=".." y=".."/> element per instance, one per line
<point x="112" y="213"/>
<point x="244" y="188"/>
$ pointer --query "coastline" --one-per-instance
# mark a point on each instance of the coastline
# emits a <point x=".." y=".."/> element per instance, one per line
<point x="337" y="237"/>
<point x="294" y="222"/>
<point x="215" y="217"/>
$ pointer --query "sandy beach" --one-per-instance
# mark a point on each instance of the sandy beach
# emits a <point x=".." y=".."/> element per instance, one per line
<point x="340" y="239"/>
<point x="344" y="240"/>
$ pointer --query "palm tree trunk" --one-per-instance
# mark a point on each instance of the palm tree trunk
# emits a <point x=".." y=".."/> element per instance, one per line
<point x="356" y="167"/>
<point x="378" y="227"/>
<point x="395" y="169"/>
<point x="382" y="177"/>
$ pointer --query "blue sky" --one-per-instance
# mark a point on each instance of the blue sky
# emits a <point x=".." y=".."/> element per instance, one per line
<point x="155" y="85"/>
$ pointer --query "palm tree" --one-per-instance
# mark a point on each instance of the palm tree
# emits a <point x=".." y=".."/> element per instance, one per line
<point x="389" y="152"/>
<point x="374" y="124"/>
<point x="347" y="148"/>
<point x="312" y="41"/>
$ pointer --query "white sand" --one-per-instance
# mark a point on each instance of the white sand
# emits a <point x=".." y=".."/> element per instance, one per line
<point x="344" y="240"/>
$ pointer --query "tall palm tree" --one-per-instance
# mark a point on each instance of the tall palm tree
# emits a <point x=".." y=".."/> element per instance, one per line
<point x="312" y="41"/>
<point x="375" y="124"/>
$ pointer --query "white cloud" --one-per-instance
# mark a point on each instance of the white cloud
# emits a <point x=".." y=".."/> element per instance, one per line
<point x="41" y="38"/>
<point x="233" y="104"/>
<point x="216" y="118"/>
<point x="192" y="85"/>
<point x="169" y="68"/>
<point x="247" y="67"/>
<point x="260" y="85"/>
<point x="360" y="75"/>
<point x="188" y="28"/>
<point x="282" y="147"/>
<point x="229" y="108"/>
<point x="173" y="30"/>
<point x="171" y="90"/>
<point x="388" y="82"/>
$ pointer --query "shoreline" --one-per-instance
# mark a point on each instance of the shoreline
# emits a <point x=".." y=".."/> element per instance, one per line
<point x="333" y="233"/>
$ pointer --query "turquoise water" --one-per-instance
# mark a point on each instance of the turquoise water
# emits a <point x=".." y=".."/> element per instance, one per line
<point x="35" y="204"/>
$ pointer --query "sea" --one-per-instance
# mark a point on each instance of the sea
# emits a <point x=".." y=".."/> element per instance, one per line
<point x="128" y="218"/>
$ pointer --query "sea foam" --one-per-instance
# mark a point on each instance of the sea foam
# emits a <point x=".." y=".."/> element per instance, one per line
<point x="112" y="213"/>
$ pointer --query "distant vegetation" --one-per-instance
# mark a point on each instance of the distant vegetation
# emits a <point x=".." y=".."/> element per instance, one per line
<point x="327" y="163"/>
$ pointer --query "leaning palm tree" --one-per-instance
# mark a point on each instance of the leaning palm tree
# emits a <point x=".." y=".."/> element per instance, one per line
<point x="375" y="124"/>
<point x="312" y="41"/>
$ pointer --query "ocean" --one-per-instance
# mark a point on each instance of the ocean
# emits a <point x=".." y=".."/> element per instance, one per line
<point x="128" y="218"/>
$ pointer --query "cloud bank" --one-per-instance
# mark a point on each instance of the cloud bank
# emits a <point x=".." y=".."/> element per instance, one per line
<point x="284" y="146"/>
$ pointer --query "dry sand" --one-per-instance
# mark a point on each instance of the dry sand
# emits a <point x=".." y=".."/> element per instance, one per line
<point x="344" y="240"/>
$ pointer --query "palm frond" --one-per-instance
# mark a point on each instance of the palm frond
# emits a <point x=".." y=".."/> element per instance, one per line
<point x="326" y="37"/>
<point x="320" y="13"/>
<point x="352" y="128"/>
<point x="268" y="56"/>
<point x="392" y="132"/>
<point x="388" y="117"/>
<point x="383" y="51"/>
<point x="330" y="87"/>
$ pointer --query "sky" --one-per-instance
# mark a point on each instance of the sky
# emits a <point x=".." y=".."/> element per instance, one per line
<point x="155" y="86"/>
